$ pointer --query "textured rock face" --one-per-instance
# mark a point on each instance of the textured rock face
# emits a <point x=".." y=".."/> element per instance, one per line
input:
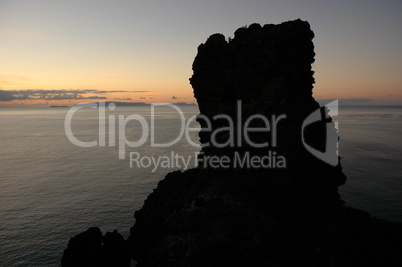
<point x="268" y="71"/>
<point x="267" y="68"/>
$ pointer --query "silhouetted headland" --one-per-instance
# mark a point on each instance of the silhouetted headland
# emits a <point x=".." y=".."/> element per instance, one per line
<point x="142" y="104"/>
<point x="291" y="215"/>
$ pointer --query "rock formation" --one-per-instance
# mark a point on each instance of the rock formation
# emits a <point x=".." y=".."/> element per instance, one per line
<point x="269" y="70"/>
<point x="291" y="215"/>
<point x="90" y="248"/>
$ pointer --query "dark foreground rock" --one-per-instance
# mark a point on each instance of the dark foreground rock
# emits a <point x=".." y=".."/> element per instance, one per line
<point x="230" y="218"/>
<point x="287" y="214"/>
<point x="90" y="248"/>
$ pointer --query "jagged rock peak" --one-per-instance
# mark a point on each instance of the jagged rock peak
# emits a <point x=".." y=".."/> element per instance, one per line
<point x="268" y="69"/>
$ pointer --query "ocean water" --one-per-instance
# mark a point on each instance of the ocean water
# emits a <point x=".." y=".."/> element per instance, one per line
<point x="51" y="189"/>
<point x="371" y="150"/>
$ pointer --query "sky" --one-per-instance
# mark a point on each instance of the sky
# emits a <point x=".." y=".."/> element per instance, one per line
<point x="55" y="52"/>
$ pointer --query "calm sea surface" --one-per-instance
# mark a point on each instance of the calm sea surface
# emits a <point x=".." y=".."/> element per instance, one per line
<point x="51" y="189"/>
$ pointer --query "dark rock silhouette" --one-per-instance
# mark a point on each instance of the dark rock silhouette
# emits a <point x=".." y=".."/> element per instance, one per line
<point x="285" y="216"/>
<point x="90" y="248"/>
<point x="269" y="70"/>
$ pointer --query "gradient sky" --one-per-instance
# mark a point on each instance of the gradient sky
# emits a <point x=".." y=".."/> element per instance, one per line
<point x="65" y="52"/>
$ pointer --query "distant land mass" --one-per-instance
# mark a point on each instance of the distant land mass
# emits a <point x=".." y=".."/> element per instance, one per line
<point x="124" y="104"/>
<point x="130" y="104"/>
